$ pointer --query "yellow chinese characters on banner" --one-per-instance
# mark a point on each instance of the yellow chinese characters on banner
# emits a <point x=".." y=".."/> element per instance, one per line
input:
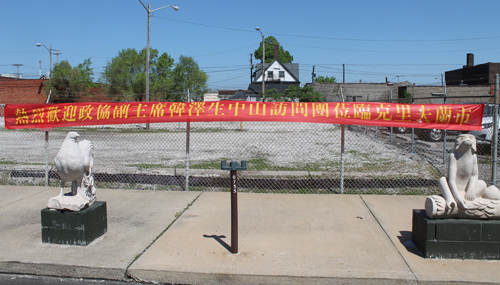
<point x="441" y="116"/>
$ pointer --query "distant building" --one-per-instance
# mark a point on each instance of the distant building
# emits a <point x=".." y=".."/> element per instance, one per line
<point x="470" y="74"/>
<point x="242" y="96"/>
<point x="211" y="97"/>
<point x="276" y="75"/>
<point x="356" y="92"/>
<point x="225" y="94"/>
<point x="21" y="91"/>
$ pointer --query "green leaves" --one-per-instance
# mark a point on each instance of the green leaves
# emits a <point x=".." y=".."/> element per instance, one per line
<point x="284" y="56"/>
<point x="295" y="94"/>
<point x="125" y="76"/>
<point x="187" y="75"/>
<point x="325" y="79"/>
<point x="69" y="83"/>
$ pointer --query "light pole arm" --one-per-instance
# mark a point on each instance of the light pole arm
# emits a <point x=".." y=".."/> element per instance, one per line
<point x="173" y="6"/>
<point x="46" y="48"/>
<point x="144" y="6"/>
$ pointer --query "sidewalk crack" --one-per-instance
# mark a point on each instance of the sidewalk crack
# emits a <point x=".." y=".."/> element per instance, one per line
<point x="177" y="216"/>
<point x="389" y="237"/>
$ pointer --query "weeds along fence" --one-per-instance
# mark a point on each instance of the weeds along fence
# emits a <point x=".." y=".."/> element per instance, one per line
<point x="281" y="157"/>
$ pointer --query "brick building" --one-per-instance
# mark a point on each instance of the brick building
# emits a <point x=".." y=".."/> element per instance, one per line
<point x="31" y="91"/>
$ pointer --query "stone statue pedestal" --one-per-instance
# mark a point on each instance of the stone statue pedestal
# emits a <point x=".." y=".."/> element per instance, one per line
<point x="74" y="228"/>
<point x="456" y="238"/>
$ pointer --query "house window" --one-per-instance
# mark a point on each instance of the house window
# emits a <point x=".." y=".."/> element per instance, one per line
<point x="282" y="75"/>
<point x="270" y="75"/>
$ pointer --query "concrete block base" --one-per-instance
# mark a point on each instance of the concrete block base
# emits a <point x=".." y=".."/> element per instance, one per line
<point x="456" y="238"/>
<point x="74" y="228"/>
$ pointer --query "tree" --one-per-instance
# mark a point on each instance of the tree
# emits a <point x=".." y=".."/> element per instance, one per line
<point x="407" y="97"/>
<point x="284" y="56"/>
<point x="125" y="75"/>
<point x="69" y="83"/>
<point x="295" y="94"/>
<point x="187" y="75"/>
<point x="325" y="79"/>
<point x="272" y="95"/>
<point x="304" y="94"/>
<point x="161" y="77"/>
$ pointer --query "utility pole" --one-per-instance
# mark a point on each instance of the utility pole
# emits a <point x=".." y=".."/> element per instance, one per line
<point x="57" y="53"/>
<point x="50" y="52"/>
<point x="263" y="64"/>
<point x="343" y="73"/>
<point x="251" y="68"/>
<point x="313" y="75"/>
<point x="148" y="9"/>
<point x="17" y="65"/>
<point x="40" y="69"/>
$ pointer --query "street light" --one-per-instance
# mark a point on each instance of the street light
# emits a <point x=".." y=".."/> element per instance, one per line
<point x="263" y="64"/>
<point x="148" y="9"/>
<point x="50" y="51"/>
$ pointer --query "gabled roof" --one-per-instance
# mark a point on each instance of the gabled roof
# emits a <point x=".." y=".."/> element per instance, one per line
<point x="291" y="68"/>
<point x="227" y="92"/>
<point x="239" y="95"/>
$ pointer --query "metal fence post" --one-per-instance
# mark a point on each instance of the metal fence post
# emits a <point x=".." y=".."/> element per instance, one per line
<point x="188" y="131"/>
<point x="444" y="131"/>
<point x="47" y="180"/>
<point x="413" y="129"/>
<point x="391" y="127"/>
<point x="494" y="142"/>
<point x="342" y="138"/>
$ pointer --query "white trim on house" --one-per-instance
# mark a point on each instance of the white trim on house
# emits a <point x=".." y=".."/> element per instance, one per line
<point x="275" y="69"/>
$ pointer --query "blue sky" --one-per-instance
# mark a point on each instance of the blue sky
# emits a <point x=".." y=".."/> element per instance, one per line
<point x="415" y="41"/>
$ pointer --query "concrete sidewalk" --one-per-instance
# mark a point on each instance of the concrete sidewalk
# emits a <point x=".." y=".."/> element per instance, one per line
<point x="283" y="239"/>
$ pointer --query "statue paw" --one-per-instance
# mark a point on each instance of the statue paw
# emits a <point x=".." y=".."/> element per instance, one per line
<point x="451" y="204"/>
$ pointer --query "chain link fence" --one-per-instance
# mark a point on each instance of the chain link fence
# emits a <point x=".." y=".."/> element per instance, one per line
<point x="281" y="157"/>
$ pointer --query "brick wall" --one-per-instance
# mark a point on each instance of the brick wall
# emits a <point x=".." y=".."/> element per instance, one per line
<point x="31" y="91"/>
<point x="361" y="91"/>
<point x="468" y="94"/>
<point x="16" y="91"/>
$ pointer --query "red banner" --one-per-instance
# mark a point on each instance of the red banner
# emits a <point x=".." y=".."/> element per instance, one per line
<point x="432" y="116"/>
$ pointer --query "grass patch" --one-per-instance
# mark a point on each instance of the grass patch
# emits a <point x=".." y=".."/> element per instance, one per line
<point x="358" y="153"/>
<point x="147" y="166"/>
<point x="206" y="165"/>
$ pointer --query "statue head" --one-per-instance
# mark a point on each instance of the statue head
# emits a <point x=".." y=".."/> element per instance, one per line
<point x="73" y="136"/>
<point x="466" y="140"/>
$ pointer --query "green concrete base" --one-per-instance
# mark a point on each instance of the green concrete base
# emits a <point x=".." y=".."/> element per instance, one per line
<point x="74" y="228"/>
<point x="456" y="238"/>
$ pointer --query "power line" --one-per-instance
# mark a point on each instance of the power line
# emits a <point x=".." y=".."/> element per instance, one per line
<point x="333" y="38"/>
<point x="224" y="51"/>
<point x="392" y="51"/>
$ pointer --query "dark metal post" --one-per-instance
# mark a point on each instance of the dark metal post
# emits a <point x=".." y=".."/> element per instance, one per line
<point x="234" y="211"/>
<point x="234" y="167"/>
